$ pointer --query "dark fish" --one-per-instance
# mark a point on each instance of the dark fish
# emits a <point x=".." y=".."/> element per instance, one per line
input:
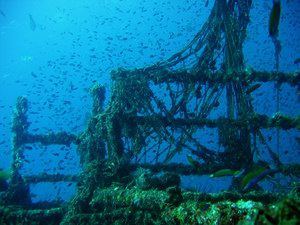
<point x="32" y="23"/>
<point x="2" y="13"/>
<point x="26" y="160"/>
<point x="274" y="18"/>
<point x="66" y="102"/>
<point x="206" y="4"/>
<point x="3" y="185"/>
<point x="297" y="61"/>
<point x="253" y="88"/>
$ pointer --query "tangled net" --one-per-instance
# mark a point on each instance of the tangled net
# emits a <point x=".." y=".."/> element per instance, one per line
<point x="156" y="112"/>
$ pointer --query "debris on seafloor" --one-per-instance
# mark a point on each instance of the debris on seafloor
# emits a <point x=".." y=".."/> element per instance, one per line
<point x="120" y="205"/>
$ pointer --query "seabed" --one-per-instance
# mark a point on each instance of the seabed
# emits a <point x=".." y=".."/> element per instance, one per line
<point x="120" y="205"/>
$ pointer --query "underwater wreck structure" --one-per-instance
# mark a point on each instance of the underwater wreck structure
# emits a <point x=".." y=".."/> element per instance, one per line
<point x="127" y="148"/>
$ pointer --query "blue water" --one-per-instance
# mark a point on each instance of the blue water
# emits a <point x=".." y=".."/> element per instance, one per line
<point x="69" y="45"/>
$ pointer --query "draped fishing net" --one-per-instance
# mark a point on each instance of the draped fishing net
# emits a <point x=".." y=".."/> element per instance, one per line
<point x="158" y="112"/>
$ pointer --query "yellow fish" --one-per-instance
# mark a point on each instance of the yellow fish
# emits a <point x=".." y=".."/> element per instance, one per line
<point x="226" y="172"/>
<point x="253" y="177"/>
<point x="195" y="164"/>
<point x="252" y="174"/>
